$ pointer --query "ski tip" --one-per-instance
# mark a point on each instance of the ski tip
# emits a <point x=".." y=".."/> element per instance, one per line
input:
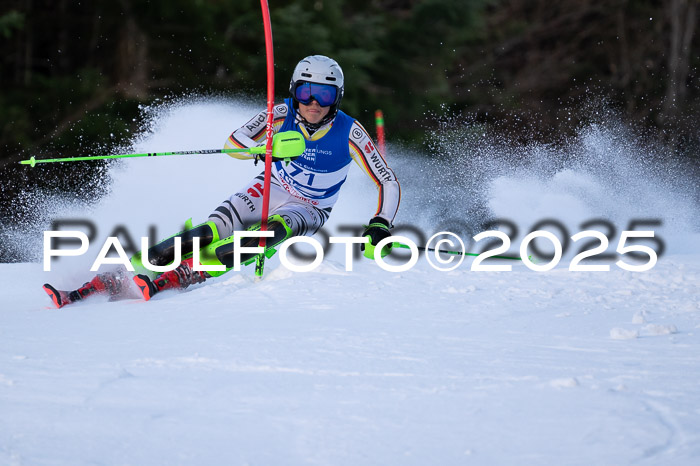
<point x="59" y="299"/>
<point x="146" y="286"/>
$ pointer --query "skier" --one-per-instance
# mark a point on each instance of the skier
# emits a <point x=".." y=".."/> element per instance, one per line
<point x="302" y="192"/>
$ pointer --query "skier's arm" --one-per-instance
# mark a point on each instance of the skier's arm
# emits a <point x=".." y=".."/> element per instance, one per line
<point x="253" y="133"/>
<point x="367" y="156"/>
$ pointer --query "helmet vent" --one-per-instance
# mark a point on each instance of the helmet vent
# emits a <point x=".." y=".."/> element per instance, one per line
<point x="306" y="75"/>
<point x="330" y="78"/>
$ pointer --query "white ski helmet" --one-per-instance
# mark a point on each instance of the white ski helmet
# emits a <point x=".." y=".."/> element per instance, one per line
<point x="319" y="69"/>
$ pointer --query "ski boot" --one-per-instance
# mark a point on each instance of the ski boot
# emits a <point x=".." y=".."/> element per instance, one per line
<point x="179" y="278"/>
<point x="115" y="284"/>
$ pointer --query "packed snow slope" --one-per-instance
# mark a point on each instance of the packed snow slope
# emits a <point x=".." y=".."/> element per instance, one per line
<point x="365" y="366"/>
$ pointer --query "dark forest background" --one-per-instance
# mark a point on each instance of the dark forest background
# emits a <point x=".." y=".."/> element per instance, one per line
<point x="73" y="73"/>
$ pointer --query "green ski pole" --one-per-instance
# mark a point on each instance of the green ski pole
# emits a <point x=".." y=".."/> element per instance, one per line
<point x="285" y="145"/>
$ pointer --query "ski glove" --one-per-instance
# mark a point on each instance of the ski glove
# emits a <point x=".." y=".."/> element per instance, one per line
<point x="377" y="230"/>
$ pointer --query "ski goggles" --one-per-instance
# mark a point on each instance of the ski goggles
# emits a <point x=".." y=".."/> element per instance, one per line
<point x="325" y="94"/>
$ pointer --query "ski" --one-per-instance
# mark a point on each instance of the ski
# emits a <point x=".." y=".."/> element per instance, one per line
<point x="59" y="297"/>
<point x="113" y="284"/>
<point x="146" y="286"/>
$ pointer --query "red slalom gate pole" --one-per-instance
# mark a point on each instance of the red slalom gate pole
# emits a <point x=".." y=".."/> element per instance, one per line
<point x="260" y="263"/>
<point x="379" y="119"/>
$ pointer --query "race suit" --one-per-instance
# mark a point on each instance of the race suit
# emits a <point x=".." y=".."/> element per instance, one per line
<point x="304" y="191"/>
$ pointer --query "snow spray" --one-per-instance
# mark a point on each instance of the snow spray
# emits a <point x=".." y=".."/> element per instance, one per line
<point x="464" y="181"/>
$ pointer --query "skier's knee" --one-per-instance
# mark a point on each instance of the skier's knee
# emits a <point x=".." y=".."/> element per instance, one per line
<point x="281" y="229"/>
<point x="222" y="228"/>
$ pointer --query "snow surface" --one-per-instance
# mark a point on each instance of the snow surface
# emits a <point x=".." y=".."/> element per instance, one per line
<point x="364" y="367"/>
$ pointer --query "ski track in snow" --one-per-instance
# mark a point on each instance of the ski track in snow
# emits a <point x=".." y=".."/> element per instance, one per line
<point x="346" y="368"/>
